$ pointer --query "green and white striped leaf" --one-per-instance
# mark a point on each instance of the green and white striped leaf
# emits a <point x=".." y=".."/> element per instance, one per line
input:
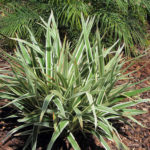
<point x="61" y="126"/>
<point x="91" y="102"/>
<point x="73" y="142"/>
<point x="46" y="102"/>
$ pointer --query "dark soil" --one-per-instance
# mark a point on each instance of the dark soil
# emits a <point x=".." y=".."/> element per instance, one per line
<point x="136" y="137"/>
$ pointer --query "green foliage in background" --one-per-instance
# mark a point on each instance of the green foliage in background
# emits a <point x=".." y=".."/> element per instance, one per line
<point x="123" y="19"/>
<point x="66" y="93"/>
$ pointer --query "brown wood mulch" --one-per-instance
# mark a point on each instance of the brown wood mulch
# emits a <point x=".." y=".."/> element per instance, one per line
<point x="136" y="137"/>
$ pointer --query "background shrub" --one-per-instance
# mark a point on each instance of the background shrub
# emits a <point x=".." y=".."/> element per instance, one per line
<point x="121" y="19"/>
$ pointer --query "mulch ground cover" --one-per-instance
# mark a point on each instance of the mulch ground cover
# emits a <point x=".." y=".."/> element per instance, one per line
<point x="135" y="137"/>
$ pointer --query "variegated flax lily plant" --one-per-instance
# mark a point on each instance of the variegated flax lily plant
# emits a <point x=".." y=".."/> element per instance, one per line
<point x="63" y="92"/>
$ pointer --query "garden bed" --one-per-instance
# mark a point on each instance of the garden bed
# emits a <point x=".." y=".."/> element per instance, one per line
<point x="136" y="137"/>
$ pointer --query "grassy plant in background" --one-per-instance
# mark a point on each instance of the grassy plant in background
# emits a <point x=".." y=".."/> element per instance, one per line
<point x="65" y="93"/>
<point x="19" y="15"/>
<point x="124" y="20"/>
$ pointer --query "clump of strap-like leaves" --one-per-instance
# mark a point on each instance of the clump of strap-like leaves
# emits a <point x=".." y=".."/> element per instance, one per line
<point x="121" y="19"/>
<point x="65" y="93"/>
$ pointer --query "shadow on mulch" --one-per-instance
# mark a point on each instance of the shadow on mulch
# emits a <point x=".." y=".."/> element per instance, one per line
<point x="85" y="143"/>
<point x="17" y="143"/>
<point x="13" y="143"/>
